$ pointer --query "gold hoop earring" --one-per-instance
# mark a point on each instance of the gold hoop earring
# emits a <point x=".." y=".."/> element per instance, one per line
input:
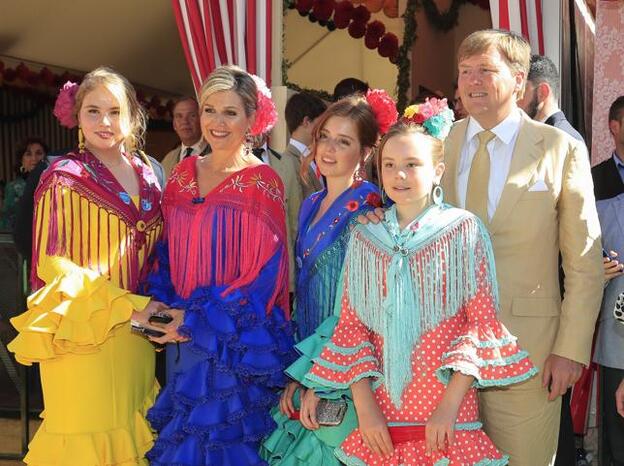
<point x="81" y="142"/>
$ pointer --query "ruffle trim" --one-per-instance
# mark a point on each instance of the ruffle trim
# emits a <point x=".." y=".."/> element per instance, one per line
<point x="74" y="313"/>
<point x="482" y="452"/>
<point x="291" y="444"/>
<point x="122" y="446"/>
<point x="217" y="411"/>
<point x="490" y="355"/>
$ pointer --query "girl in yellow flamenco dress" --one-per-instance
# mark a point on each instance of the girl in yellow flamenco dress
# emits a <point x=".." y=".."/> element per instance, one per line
<point x="97" y="218"/>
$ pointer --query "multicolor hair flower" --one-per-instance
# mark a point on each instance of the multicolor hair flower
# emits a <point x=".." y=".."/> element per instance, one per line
<point x="65" y="103"/>
<point x="383" y="107"/>
<point x="433" y="115"/>
<point x="266" y="113"/>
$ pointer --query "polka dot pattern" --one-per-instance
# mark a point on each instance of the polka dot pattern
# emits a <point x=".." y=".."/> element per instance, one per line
<point x="473" y="342"/>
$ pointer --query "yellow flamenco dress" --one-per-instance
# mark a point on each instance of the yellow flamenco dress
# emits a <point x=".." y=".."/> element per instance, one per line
<point x="91" y="246"/>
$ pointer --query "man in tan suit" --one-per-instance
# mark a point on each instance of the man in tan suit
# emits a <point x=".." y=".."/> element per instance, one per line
<point x="301" y="113"/>
<point x="531" y="185"/>
<point x="287" y="167"/>
<point x="186" y="125"/>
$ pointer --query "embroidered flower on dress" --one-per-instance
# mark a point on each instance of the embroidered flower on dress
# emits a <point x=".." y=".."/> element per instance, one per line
<point x="64" y="105"/>
<point x="352" y="206"/>
<point x="373" y="199"/>
<point x="266" y="114"/>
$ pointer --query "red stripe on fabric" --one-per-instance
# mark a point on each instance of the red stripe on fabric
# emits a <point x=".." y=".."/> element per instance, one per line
<point x="215" y="12"/>
<point x="230" y="15"/>
<point x="177" y="12"/>
<point x="250" y="36"/>
<point x="524" y="20"/>
<point x="540" y="25"/>
<point x="212" y="62"/>
<point x="198" y="36"/>
<point x="503" y="15"/>
<point x="268" y="30"/>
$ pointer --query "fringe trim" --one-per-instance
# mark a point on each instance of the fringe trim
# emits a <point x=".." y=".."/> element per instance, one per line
<point x="401" y="291"/>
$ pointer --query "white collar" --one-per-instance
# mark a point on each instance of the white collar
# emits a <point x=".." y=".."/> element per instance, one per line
<point x="300" y="146"/>
<point x="198" y="147"/>
<point x="504" y="131"/>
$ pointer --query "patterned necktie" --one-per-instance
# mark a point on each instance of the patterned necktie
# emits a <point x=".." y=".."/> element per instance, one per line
<point x="479" y="178"/>
<point x="188" y="152"/>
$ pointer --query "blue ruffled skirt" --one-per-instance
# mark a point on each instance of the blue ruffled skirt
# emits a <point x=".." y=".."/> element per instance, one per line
<point x="215" y="408"/>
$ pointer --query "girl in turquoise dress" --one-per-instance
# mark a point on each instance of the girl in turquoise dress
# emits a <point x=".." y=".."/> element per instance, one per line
<point x="344" y="138"/>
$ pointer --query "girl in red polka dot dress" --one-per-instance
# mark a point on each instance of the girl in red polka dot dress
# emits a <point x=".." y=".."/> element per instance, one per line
<point x="418" y="332"/>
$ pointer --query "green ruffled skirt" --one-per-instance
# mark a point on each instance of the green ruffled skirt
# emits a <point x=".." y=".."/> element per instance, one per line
<point x="291" y="444"/>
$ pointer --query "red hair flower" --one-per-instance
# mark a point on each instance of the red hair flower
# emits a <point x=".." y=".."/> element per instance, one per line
<point x="64" y="105"/>
<point x="383" y="107"/>
<point x="352" y="206"/>
<point x="266" y="114"/>
<point x="373" y="199"/>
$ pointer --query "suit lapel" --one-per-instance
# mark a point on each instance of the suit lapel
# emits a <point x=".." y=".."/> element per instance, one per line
<point x="526" y="155"/>
<point x="452" y="152"/>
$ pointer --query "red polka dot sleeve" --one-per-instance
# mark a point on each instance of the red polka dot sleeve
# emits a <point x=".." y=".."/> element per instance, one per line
<point x="349" y="355"/>
<point x="485" y="348"/>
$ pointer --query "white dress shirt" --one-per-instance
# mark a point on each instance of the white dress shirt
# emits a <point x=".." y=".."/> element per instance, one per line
<point x="500" y="149"/>
<point x="198" y="148"/>
<point x="300" y="146"/>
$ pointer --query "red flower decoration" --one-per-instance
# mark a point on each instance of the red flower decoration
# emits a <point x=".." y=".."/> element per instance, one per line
<point x="361" y="14"/>
<point x="375" y="29"/>
<point x="383" y="107"/>
<point x="266" y="113"/>
<point x="343" y="13"/>
<point x="323" y="9"/>
<point x="389" y="45"/>
<point x="352" y="206"/>
<point x="373" y="199"/>
<point x="303" y="6"/>
<point x="357" y="29"/>
<point x="371" y="42"/>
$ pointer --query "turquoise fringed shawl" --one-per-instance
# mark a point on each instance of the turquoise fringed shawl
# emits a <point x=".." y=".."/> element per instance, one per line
<point x="403" y="283"/>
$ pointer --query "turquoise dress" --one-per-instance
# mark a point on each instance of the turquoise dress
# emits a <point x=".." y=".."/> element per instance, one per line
<point x="320" y="252"/>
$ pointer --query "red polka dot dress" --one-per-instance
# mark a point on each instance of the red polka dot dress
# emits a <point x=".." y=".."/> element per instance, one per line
<point x="472" y="341"/>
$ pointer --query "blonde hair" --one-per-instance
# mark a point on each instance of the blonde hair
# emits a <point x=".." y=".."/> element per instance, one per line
<point x="132" y="117"/>
<point x="231" y="78"/>
<point x="514" y="49"/>
<point x="432" y="146"/>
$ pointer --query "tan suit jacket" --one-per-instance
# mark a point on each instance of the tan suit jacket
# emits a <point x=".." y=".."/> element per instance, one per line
<point x="173" y="158"/>
<point x="530" y="227"/>
<point x="287" y="167"/>
<point x="313" y="183"/>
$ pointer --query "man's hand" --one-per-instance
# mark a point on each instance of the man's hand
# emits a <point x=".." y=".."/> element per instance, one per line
<point x="374" y="216"/>
<point x="612" y="267"/>
<point x="560" y="374"/>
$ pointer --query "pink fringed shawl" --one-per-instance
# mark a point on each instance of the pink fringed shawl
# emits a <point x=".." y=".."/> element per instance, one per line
<point x="227" y="237"/>
<point x="93" y="185"/>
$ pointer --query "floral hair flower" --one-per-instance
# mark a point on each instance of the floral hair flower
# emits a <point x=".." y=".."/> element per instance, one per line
<point x="266" y="113"/>
<point x="433" y="115"/>
<point x="65" y="103"/>
<point x="383" y="107"/>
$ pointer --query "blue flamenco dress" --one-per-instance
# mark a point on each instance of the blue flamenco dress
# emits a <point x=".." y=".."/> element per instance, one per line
<point x="320" y="252"/>
<point x="224" y="262"/>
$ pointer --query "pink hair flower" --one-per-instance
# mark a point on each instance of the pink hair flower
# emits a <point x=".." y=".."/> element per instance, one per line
<point x="266" y="113"/>
<point x="64" y="105"/>
<point x="383" y="107"/>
